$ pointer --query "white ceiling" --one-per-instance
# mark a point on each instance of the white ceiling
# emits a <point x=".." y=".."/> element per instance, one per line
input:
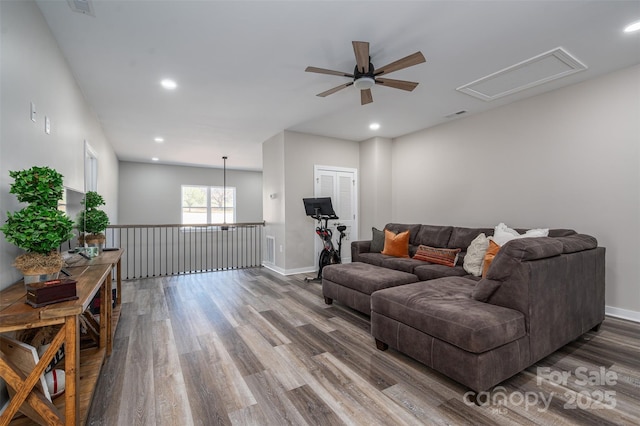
<point x="240" y="65"/>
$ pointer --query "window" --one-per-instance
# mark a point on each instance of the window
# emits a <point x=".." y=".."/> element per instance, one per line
<point x="208" y="204"/>
<point x="90" y="168"/>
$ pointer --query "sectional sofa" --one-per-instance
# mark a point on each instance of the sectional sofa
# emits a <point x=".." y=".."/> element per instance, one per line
<point x="538" y="295"/>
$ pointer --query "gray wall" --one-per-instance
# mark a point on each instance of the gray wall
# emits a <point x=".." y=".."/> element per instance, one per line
<point x="151" y="193"/>
<point x="301" y="153"/>
<point x="33" y="69"/>
<point x="375" y="185"/>
<point x="273" y="208"/>
<point x="288" y="162"/>
<point x="566" y="159"/>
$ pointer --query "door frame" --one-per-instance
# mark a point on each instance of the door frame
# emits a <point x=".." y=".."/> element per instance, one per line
<point x="354" y="235"/>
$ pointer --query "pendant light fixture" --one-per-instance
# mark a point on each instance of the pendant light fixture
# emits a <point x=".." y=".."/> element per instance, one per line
<point x="224" y="193"/>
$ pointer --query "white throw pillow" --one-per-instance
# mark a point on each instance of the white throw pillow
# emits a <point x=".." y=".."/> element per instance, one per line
<point x="503" y="234"/>
<point x="475" y="255"/>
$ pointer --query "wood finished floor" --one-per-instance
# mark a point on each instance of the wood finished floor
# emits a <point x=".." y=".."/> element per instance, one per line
<point x="251" y="347"/>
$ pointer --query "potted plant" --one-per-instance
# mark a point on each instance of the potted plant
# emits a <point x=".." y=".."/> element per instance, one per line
<point x="92" y="221"/>
<point x="40" y="227"/>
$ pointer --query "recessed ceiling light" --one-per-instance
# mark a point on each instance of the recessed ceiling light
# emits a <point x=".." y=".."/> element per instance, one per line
<point x="159" y="139"/>
<point x="155" y="159"/>
<point x="633" y="27"/>
<point x="168" y="84"/>
<point x="374" y="126"/>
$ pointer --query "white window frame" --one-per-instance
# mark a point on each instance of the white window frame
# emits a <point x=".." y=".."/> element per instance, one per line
<point x="208" y="190"/>
<point x="90" y="168"/>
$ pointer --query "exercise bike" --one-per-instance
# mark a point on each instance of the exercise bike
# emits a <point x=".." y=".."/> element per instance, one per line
<point x="322" y="210"/>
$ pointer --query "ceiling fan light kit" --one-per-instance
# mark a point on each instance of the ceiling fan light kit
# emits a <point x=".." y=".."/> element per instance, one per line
<point x="365" y="75"/>
<point x="364" y="83"/>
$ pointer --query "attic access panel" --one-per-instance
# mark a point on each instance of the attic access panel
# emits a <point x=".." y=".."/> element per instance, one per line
<point x="546" y="67"/>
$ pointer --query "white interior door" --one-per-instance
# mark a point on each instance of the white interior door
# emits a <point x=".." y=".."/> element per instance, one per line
<point x="341" y="185"/>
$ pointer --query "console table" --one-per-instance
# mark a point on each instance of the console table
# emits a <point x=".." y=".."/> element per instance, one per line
<point x="93" y="277"/>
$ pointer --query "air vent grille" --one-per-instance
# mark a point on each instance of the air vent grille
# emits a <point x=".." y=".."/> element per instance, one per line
<point x="82" y="6"/>
<point x="270" y="256"/>
<point x="455" y="114"/>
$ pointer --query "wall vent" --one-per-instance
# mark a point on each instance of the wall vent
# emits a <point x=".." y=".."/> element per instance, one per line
<point x="456" y="114"/>
<point x="82" y="6"/>
<point x="270" y="256"/>
<point x="546" y="67"/>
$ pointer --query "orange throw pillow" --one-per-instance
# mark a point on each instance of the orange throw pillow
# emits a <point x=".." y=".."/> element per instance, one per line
<point x="489" y="255"/>
<point x="396" y="245"/>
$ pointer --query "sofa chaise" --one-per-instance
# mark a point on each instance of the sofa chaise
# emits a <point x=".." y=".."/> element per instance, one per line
<point x="537" y="295"/>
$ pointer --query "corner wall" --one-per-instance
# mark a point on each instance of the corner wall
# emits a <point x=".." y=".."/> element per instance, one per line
<point x="273" y="209"/>
<point x="33" y="69"/>
<point x="375" y="185"/>
<point x="565" y="159"/>
<point x="288" y="161"/>
<point x="301" y="153"/>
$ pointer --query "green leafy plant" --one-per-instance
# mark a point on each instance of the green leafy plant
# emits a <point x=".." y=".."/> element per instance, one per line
<point x="37" y="185"/>
<point x="40" y="227"/>
<point x="92" y="220"/>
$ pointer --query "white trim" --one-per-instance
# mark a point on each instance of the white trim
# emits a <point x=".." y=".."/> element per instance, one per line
<point x="626" y="314"/>
<point x="90" y="168"/>
<point x="317" y="167"/>
<point x="307" y="270"/>
<point x="355" y="228"/>
<point x="285" y="272"/>
<point x="573" y="65"/>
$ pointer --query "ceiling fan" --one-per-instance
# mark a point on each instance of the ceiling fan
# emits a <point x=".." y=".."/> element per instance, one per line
<point x="365" y="75"/>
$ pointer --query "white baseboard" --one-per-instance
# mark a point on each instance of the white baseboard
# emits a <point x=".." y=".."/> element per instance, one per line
<point x="274" y="268"/>
<point x="626" y="314"/>
<point x="307" y="270"/>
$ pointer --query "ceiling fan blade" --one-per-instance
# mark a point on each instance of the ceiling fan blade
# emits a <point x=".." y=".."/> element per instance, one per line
<point x="334" y="90"/>
<point x="366" y="97"/>
<point x="361" y="49"/>
<point x="330" y="72"/>
<point x="397" y="84"/>
<point x="407" y="61"/>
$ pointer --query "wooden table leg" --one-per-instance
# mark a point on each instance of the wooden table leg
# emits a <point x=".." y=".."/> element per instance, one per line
<point x="106" y="340"/>
<point x="37" y="407"/>
<point x="119" y="282"/>
<point x="103" y="313"/>
<point x="25" y="384"/>
<point x="72" y="376"/>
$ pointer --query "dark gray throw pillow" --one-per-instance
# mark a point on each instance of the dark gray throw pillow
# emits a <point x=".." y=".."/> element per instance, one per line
<point x="377" y="242"/>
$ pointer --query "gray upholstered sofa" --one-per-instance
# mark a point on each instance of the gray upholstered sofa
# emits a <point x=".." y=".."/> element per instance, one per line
<point x="538" y="295"/>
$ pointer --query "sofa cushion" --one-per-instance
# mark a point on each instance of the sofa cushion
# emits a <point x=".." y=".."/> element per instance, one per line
<point x="433" y="271"/>
<point x="502" y="234"/>
<point x="433" y="236"/>
<point x="441" y="256"/>
<point x="510" y="257"/>
<point x="396" y="244"/>
<point x="577" y="242"/>
<point x="462" y="237"/>
<point x="373" y="258"/>
<point x="377" y="240"/>
<point x="365" y="278"/>
<point x="490" y="254"/>
<point x="444" y="309"/>
<point x="561" y="232"/>
<point x="474" y="258"/>
<point x="404" y="264"/>
<point x="413" y="229"/>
